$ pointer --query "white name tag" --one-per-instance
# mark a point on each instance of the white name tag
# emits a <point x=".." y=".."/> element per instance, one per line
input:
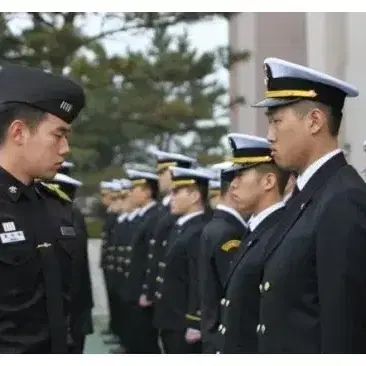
<point x="12" y="237"/>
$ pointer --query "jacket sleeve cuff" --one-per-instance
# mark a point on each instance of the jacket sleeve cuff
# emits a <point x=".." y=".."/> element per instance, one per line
<point x="194" y="320"/>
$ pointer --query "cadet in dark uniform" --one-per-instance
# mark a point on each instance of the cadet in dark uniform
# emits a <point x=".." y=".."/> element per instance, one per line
<point x="127" y="228"/>
<point x="83" y="301"/>
<point x="120" y="239"/>
<point x="158" y="241"/>
<point x="314" y="280"/>
<point x="106" y="257"/>
<point x="143" y="337"/>
<point x="220" y="241"/>
<point x="38" y="240"/>
<point x="177" y="308"/>
<point x="258" y="188"/>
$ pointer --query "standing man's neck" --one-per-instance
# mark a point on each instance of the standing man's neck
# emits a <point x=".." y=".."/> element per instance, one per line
<point x="14" y="169"/>
<point x="318" y="153"/>
<point x="149" y="200"/>
<point x="195" y="208"/>
<point x="267" y="201"/>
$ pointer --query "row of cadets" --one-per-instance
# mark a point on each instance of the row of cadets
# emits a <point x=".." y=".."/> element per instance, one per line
<point x="126" y="227"/>
<point x="118" y="239"/>
<point x="140" y="335"/>
<point x="110" y="192"/>
<point x="177" y="309"/>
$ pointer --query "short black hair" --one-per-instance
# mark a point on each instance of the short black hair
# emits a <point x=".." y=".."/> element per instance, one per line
<point x="202" y="189"/>
<point x="334" y="116"/>
<point x="12" y="111"/>
<point x="153" y="186"/>
<point x="281" y="174"/>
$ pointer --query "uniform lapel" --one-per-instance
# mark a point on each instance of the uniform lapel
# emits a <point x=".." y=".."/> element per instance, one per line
<point x="298" y="204"/>
<point x="251" y="239"/>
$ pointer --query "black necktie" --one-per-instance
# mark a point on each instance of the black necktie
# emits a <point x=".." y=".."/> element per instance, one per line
<point x="295" y="191"/>
<point x="293" y="195"/>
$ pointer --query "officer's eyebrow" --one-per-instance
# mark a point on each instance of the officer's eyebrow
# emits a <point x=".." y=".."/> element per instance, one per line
<point x="63" y="129"/>
<point x="273" y="112"/>
<point x="269" y="113"/>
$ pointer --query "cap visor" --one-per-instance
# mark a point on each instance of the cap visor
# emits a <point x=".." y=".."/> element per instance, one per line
<point x="230" y="173"/>
<point x="274" y="102"/>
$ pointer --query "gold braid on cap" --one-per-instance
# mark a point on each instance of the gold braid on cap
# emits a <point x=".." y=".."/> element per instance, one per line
<point x="290" y="93"/>
<point x="252" y="159"/>
<point x="184" y="182"/>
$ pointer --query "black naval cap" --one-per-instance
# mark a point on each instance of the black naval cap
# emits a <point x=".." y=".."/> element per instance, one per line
<point x="52" y="93"/>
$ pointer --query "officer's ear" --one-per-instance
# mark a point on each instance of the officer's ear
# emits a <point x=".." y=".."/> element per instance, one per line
<point x="269" y="181"/>
<point x="194" y="194"/>
<point x="18" y="132"/>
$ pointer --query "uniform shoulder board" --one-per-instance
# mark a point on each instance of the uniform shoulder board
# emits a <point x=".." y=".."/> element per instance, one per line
<point x="55" y="189"/>
<point x="230" y="245"/>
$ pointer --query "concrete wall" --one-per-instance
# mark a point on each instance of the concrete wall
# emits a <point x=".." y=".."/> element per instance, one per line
<point x="263" y="34"/>
<point x="355" y="124"/>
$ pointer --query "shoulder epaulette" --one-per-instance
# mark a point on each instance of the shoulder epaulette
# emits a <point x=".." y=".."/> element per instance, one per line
<point x="55" y="189"/>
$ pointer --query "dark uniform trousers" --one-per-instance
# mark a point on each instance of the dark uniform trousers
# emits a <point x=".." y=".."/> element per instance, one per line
<point x="142" y="337"/>
<point x="239" y="308"/>
<point x="220" y="241"/>
<point x="106" y="251"/>
<point x="39" y="245"/>
<point x="177" y="299"/>
<point x="315" y="268"/>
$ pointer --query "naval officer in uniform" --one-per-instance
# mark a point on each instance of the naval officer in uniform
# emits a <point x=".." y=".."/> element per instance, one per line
<point x="38" y="240"/>
<point x="177" y="307"/>
<point x="315" y="272"/>
<point x="158" y="240"/>
<point x="258" y="186"/>
<point x="220" y="241"/>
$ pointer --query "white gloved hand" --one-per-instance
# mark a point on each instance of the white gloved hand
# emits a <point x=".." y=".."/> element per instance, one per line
<point x="192" y="335"/>
<point x="144" y="302"/>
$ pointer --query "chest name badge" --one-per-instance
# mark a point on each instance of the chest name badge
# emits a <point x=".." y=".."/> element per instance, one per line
<point x="13" y="237"/>
<point x="67" y="231"/>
